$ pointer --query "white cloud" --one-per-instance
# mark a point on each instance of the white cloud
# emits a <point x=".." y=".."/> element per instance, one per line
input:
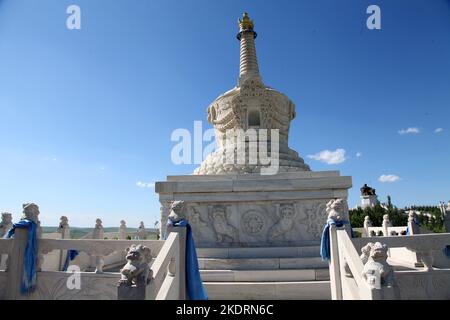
<point x="358" y="154"/>
<point x="389" y="178"/>
<point x="438" y="130"/>
<point x="330" y="157"/>
<point x="413" y="130"/>
<point x="141" y="184"/>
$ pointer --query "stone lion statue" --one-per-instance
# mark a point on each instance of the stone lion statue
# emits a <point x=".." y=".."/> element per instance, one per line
<point x="137" y="271"/>
<point x="141" y="232"/>
<point x="177" y="211"/>
<point x="31" y="212"/>
<point x="377" y="272"/>
<point x="98" y="232"/>
<point x="337" y="210"/>
<point x="64" y="222"/>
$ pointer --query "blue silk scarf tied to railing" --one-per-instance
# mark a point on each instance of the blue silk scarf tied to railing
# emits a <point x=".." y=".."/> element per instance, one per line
<point x="447" y="251"/>
<point x="71" y="254"/>
<point x="194" y="284"/>
<point x="325" y="241"/>
<point x="28" y="283"/>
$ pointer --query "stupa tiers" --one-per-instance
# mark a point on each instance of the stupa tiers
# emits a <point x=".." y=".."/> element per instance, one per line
<point x="250" y="105"/>
<point x="234" y="204"/>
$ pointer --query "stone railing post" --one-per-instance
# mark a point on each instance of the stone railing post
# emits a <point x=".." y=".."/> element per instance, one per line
<point x="181" y="260"/>
<point x="64" y="229"/>
<point x="335" y="270"/>
<point x="386" y="225"/>
<point x="412" y="226"/>
<point x="15" y="263"/>
<point x="367" y="225"/>
<point x="122" y="230"/>
<point x="98" y="233"/>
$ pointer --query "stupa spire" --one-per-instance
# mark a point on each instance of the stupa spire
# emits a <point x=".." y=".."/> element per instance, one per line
<point x="248" y="67"/>
<point x="251" y="105"/>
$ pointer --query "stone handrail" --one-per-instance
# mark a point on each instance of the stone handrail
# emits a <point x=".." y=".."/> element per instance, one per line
<point x="168" y="280"/>
<point x="160" y="266"/>
<point x="348" y="275"/>
<point x="389" y="230"/>
<point x="95" y="248"/>
<point x="419" y="242"/>
<point x="424" y="244"/>
<point x="346" y="268"/>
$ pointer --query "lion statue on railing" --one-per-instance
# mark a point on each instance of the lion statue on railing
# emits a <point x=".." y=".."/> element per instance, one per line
<point x="137" y="270"/>
<point x="337" y="210"/>
<point x="377" y="272"/>
<point x="178" y="211"/>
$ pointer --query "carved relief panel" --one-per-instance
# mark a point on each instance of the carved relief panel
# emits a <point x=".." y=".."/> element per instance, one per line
<point x="258" y="223"/>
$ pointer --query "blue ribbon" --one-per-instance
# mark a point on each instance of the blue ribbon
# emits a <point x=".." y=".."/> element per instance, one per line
<point x="28" y="283"/>
<point x="194" y="283"/>
<point x="447" y="251"/>
<point x="71" y="254"/>
<point x="325" y="252"/>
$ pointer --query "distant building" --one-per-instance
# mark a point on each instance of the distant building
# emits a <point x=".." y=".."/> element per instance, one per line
<point x="368" y="197"/>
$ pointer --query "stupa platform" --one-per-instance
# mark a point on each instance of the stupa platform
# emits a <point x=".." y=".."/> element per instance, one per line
<point x="286" y="209"/>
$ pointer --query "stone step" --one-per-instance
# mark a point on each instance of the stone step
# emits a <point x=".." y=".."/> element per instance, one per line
<point x="261" y="263"/>
<point x="259" y="252"/>
<point x="300" y="290"/>
<point x="279" y="275"/>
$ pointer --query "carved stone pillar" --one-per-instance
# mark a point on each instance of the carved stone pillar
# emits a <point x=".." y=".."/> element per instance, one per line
<point x="413" y="227"/>
<point x="64" y="229"/>
<point x="386" y="225"/>
<point x="98" y="233"/>
<point x="367" y="225"/>
<point x="122" y="230"/>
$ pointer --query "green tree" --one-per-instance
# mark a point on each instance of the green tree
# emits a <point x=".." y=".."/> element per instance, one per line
<point x="398" y="217"/>
<point x="389" y="204"/>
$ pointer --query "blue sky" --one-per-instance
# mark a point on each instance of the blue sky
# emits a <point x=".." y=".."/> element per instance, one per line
<point x="87" y="114"/>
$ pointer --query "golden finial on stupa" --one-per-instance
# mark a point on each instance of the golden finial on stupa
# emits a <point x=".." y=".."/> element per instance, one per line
<point x="245" y="23"/>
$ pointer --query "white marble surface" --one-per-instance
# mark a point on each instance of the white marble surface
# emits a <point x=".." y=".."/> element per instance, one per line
<point x="308" y="290"/>
<point x="260" y="275"/>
